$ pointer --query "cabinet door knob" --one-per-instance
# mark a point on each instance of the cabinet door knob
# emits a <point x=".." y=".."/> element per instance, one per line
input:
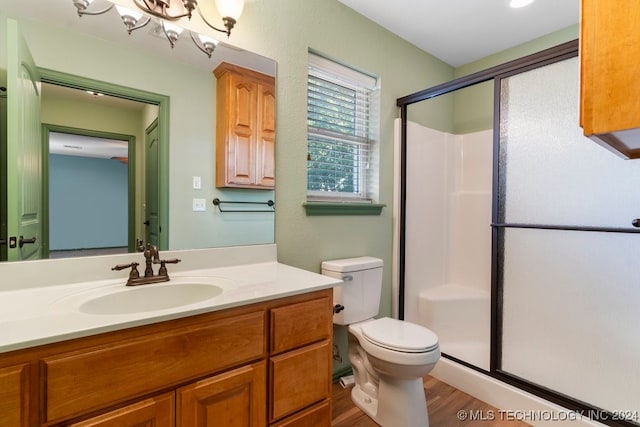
<point x="636" y="222"/>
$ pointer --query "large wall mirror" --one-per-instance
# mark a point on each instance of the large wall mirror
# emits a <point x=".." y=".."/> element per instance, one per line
<point x="127" y="141"/>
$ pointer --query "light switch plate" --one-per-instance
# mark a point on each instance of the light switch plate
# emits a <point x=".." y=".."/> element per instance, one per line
<point x="199" y="205"/>
<point x="197" y="183"/>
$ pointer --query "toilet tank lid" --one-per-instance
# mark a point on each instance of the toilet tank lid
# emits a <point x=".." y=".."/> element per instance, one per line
<point x="352" y="264"/>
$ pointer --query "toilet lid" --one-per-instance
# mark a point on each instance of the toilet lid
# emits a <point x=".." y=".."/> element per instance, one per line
<point x="399" y="335"/>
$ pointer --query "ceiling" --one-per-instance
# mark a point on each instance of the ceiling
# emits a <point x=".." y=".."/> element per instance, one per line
<point x="87" y="146"/>
<point x="461" y="31"/>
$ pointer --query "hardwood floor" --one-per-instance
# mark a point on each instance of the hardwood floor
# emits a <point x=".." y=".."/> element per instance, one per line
<point x="447" y="406"/>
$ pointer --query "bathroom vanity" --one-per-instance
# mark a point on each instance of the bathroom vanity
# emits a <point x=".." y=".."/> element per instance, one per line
<point x="257" y="353"/>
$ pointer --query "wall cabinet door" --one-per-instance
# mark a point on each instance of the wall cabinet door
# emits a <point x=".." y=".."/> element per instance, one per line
<point x="245" y="128"/>
<point x="609" y="86"/>
<point x="233" y="399"/>
<point x="156" y="411"/>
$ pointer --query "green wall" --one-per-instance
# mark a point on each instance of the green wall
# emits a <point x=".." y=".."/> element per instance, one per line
<point x="286" y="30"/>
<point x="473" y="106"/>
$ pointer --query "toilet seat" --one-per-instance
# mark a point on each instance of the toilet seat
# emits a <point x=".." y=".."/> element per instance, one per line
<point x="398" y="335"/>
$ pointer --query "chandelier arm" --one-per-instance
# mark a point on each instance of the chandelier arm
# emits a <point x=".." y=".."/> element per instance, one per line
<point x="172" y="42"/>
<point x="198" y="45"/>
<point x="226" y="31"/>
<point x="99" y="12"/>
<point x="146" y="8"/>
<point x="138" y="26"/>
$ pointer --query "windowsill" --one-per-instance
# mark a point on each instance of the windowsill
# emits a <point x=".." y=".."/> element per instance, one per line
<point x="342" y="208"/>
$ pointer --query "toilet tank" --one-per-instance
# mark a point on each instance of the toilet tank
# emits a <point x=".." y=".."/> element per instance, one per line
<point x="360" y="293"/>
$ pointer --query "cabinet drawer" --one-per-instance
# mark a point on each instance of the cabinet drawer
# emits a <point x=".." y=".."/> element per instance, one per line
<point x="298" y="324"/>
<point x="299" y="379"/>
<point x="94" y="378"/>
<point x="316" y="416"/>
<point x="156" y="411"/>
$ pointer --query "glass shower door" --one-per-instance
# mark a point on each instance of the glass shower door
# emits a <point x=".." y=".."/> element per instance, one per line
<point x="568" y="269"/>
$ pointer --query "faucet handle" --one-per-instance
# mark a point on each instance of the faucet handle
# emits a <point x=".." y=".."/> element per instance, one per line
<point x="133" y="274"/>
<point x="163" y="268"/>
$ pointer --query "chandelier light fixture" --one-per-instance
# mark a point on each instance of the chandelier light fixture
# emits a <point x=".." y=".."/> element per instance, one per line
<point x="169" y="11"/>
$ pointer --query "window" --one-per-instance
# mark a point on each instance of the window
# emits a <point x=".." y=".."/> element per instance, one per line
<point x="339" y="133"/>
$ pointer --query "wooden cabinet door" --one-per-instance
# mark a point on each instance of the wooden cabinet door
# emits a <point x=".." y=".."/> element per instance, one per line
<point x="243" y="109"/>
<point x="14" y="396"/>
<point x="299" y="378"/>
<point x="233" y="399"/>
<point x="609" y="86"/>
<point x="156" y="411"/>
<point x="266" y="141"/>
<point x="74" y="384"/>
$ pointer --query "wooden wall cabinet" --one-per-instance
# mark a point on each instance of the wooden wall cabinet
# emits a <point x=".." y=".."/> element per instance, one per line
<point x="609" y="85"/>
<point x="251" y="366"/>
<point x="245" y="128"/>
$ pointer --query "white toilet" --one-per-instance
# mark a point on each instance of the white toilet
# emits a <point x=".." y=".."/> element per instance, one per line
<point x="389" y="357"/>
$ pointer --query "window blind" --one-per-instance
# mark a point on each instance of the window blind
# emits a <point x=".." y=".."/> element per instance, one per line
<point x="338" y="132"/>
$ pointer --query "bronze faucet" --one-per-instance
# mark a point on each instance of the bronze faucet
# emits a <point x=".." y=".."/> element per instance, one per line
<point x="151" y="256"/>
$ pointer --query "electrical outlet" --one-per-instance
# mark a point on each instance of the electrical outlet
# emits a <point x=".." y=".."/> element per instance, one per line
<point x="199" y="205"/>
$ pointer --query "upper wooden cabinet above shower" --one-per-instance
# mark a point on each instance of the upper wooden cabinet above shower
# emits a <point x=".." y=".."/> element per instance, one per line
<point x="609" y="81"/>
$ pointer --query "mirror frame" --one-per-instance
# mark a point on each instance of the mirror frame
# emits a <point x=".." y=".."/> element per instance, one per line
<point x="163" y="103"/>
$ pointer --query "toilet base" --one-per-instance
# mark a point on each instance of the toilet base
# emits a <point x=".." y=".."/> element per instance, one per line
<point x="400" y="403"/>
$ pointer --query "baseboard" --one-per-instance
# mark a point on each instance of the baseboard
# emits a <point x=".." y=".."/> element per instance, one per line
<point x="512" y="403"/>
<point x="341" y="373"/>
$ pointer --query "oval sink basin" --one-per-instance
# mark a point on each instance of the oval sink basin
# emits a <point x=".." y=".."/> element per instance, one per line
<point x="150" y="298"/>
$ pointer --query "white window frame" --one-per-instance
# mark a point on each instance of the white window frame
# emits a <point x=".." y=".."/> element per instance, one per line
<point x="336" y="73"/>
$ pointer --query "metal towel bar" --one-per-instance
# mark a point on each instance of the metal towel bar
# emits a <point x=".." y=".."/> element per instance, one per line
<point x="269" y="203"/>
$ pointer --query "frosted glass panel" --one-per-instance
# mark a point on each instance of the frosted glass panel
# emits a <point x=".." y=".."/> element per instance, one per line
<point x="570" y="299"/>
<point x="551" y="173"/>
<point x="571" y="315"/>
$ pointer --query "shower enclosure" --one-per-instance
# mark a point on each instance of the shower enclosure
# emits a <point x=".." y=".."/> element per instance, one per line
<point x="516" y="243"/>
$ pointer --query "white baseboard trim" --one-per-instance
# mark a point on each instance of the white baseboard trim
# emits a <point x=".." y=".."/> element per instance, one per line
<point x="512" y="403"/>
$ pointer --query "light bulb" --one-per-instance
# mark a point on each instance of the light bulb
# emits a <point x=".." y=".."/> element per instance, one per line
<point x="230" y="8"/>
<point x="125" y="12"/>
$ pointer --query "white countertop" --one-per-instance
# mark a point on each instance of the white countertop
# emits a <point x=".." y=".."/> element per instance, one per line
<point x="32" y="316"/>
